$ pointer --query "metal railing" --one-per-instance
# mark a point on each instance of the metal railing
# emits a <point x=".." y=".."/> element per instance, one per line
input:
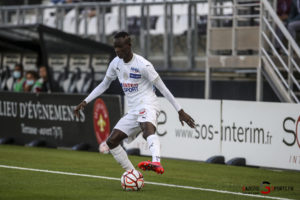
<point x="232" y="28"/>
<point x="111" y="17"/>
<point x="281" y="63"/>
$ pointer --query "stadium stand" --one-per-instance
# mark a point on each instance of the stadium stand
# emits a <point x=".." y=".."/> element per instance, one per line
<point x="213" y="40"/>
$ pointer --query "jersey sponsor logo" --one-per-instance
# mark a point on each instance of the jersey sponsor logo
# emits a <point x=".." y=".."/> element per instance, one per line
<point x="135" y="76"/>
<point x="130" y="87"/>
<point x="101" y="121"/>
<point x="135" y="70"/>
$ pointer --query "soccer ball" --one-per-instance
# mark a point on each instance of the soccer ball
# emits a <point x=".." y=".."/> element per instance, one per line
<point x="132" y="180"/>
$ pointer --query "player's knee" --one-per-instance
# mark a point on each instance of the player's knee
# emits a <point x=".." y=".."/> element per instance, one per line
<point x="115" y="139"/>
<point x="147" y="134"/>
<point x="112" y="142"/>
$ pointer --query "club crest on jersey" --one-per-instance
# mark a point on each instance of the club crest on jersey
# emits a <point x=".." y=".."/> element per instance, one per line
<point x="125" y="76"/>
<point x="130" y="87"/>
<point x="135" y="76"/>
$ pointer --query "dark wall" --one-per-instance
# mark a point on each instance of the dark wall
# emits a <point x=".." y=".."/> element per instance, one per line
<point x="230" y="90"/>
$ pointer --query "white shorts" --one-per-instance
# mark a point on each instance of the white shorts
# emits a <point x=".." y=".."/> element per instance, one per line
<point x="129" y="123"/>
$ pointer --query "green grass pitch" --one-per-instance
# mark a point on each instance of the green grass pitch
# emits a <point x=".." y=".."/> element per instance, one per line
<point x="20" y="184"/>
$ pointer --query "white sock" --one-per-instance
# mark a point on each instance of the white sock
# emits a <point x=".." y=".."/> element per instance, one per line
<point x="154" y="146"/>
<point x="121" y="157"/>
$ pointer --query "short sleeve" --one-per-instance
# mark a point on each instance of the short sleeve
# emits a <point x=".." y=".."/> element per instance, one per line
<point x="111" y="72"/>
<point x="149" y="72"/>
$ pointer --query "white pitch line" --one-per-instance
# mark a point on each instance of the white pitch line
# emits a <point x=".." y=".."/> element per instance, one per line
<point x="147" y="182"/>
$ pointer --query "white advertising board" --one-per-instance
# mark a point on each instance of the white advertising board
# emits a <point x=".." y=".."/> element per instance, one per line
<point x="265" y="134"/>
<point x="182" y="142"/>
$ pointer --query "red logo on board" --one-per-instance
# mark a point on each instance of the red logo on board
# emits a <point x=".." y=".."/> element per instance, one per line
<point x="101" y="121"/>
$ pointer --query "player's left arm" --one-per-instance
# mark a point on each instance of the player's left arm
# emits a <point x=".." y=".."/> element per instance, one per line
<point x="183" y="116"/>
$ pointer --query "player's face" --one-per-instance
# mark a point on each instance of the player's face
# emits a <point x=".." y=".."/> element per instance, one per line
<point x="122" y="48"/>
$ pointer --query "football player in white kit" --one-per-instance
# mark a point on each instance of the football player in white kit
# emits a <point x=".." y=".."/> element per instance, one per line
<point x="138" y="78"/>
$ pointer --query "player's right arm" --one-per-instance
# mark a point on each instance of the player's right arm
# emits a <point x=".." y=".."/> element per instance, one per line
<point x="100" y="89"/>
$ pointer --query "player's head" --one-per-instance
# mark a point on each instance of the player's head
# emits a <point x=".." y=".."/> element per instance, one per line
<point x="122" y="45"/>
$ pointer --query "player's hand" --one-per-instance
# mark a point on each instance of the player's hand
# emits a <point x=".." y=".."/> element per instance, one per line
<point x="184" y="117"/>
<point x="78" y="108"/>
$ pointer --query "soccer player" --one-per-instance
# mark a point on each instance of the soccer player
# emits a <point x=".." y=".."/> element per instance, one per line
<point x="137" y="77"/>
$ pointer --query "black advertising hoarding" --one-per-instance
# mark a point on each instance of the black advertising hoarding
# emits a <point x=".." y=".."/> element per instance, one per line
<point x="26" y="117"/>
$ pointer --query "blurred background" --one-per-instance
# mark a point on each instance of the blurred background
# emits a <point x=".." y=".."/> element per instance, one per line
<point x="237" y="49"/>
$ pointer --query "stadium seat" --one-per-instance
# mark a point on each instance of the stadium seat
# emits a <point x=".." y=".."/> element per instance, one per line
<point x="59" y="76"/>
<point x="88" y="81"/>
<point x="159" y="27"/>
<point x="66" y="84"/>
<point x="92" y="26"/>
<point x="112" y="24"/>
<point x="180" y="25"/>
<point x="49" y="17"/>
<point x="6" y="80"/>
<point x="69" y="22"/>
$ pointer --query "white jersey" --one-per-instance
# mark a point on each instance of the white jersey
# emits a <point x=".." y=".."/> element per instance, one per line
<point x="136" y="78"/>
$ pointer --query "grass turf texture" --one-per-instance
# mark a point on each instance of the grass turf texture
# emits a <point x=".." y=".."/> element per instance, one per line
<point x="19" y="184"/>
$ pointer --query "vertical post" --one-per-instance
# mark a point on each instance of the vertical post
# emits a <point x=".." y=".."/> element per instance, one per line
<point x="190" y="42"/>
<point x="56" y="17"/>
<point x="234" y="26"/>
<point x="142" y="30"/>
<point x="42" y="15"/>
<point x="23" y="16"/>
<point x="39" y="16"/>
<point x="18" y="16"/>
<point x="1" y="17"/>
<point x="103" y="36"/>
<point x="167" y="61"/>
<point x="85" y="20"/>
<point x="195" y="35"/>
<point x="273" y="21"/>
<point x="76" y="20"/>
<point x="98" y="23"/>
<point x="125" y="17"/>
<point x="207" y="90"/>
<point x="147" y="40"/>
<point x="171" y="45"/>
<point x="5" y="17"/>
<point x="290" y="73"/>
<point x="62" y="18"/>
<point x="120" y="16"/>
<point x="259" y="88"/>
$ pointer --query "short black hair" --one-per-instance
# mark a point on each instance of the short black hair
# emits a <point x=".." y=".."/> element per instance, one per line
<point x="125" y="35"/>
<point x="121" y="34"/>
